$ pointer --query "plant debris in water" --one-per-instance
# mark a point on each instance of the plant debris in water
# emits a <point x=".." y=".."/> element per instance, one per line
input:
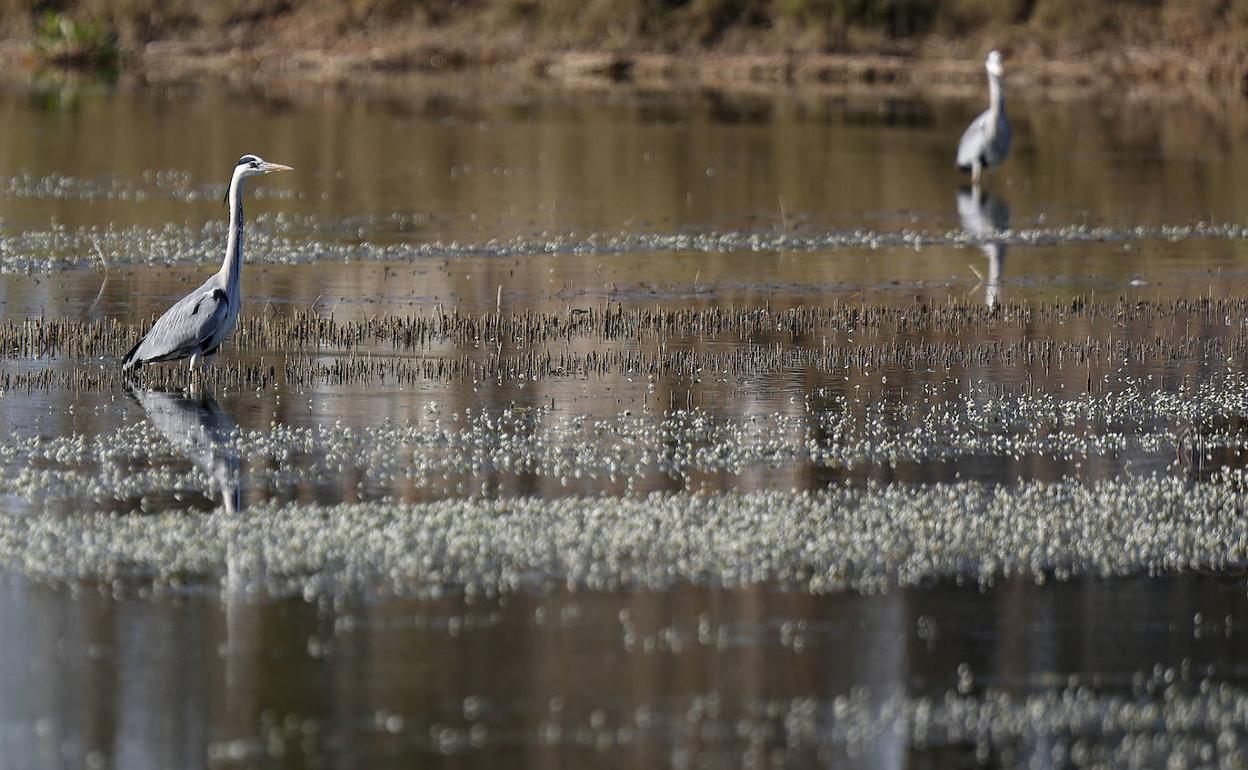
<point x="305" y="349"/>
<point x="872" y="538"/>
<point x="863" y="535"/>
<point x="1160" y="489"/>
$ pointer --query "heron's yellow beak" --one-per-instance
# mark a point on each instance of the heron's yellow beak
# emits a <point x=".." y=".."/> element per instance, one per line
<point x="269" y="168"/>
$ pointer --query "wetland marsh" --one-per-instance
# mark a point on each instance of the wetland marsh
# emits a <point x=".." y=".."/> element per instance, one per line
<point x="625" y="428"/>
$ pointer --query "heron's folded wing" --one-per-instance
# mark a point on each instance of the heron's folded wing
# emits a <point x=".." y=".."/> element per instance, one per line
<point x="185" y="327"/>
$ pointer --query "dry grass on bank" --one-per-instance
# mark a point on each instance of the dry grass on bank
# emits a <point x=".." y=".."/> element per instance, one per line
<point x="1198" y="36"/>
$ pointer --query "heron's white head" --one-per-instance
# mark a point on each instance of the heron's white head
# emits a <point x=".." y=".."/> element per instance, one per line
<point x="994" y="64"/>
<point x="254" y="165"/>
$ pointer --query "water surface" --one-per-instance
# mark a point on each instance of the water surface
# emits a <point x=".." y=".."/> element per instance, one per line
<point x="467" y="199"/>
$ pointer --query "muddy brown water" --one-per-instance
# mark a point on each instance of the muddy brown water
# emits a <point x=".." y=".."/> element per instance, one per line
<point x="475" y="198"/>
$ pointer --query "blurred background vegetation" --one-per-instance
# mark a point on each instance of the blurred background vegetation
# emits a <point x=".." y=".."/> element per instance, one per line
<point x="93" y="31"/>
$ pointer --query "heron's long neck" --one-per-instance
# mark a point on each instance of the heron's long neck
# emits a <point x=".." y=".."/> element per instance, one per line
<point x="234" y="246"/>
<point x="996" y="97"/>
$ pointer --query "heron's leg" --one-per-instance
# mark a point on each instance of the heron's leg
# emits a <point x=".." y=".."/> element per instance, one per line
<point x="192" y="369"/>
<point x="976" y="169"/>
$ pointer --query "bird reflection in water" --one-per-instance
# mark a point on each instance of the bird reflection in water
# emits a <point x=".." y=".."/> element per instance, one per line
<point x="985" y="216"/>
<point x="201" y="430"/>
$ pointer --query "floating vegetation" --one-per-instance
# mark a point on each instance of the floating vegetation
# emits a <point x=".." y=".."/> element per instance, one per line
<point x="870" y="538"/>
<point x="1137" y="420"/>
<point x="1163" y="717"/>
<point x="284" y="239"/>
<point x="139" y="468"/>
<point x="1143" y="511"/>
<point x="1180" y="715"/>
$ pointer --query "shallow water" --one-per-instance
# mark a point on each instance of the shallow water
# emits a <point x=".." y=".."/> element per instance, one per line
<point x="1029" y="401"/>
<point x="1014" y="675"/>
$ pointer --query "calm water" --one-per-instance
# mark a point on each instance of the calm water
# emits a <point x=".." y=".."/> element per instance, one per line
<point x="482" y="196"/>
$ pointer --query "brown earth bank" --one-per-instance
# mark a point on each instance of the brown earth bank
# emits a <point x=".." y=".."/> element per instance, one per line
<point x="1055" y="44"/>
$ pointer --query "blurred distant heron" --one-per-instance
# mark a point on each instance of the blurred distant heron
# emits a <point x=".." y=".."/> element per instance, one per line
<point x="986" y="141"/>
<point x="197" y="324"/>
<point x="985" y="215"/>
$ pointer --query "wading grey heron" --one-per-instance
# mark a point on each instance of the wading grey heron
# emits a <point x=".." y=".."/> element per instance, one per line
<point x="197" y="324"/>
<point x="986" y="141"/>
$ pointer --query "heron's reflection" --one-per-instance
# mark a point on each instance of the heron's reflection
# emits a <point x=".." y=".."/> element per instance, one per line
<point x="985" y="215"/>
<point x="201" y="430"/>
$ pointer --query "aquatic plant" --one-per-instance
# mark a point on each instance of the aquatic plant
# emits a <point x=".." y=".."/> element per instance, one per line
<point x="66" y="42"/>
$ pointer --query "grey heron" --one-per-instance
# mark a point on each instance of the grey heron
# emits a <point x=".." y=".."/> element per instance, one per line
<point x="986" y="141"/>
<point x="985" y="215"/>
<point x="197" y="324"/>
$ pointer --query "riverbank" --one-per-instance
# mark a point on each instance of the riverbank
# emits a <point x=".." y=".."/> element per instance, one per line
<point x="1048" y="46"/>
<point x="179" y="61"/>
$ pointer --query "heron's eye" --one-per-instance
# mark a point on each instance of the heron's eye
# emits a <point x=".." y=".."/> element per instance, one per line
<point x="254" y="164"/>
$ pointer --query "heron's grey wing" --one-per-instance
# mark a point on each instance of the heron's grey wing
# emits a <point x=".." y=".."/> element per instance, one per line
<point x="184" y="328"/>
<point x="974" y="141"/>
